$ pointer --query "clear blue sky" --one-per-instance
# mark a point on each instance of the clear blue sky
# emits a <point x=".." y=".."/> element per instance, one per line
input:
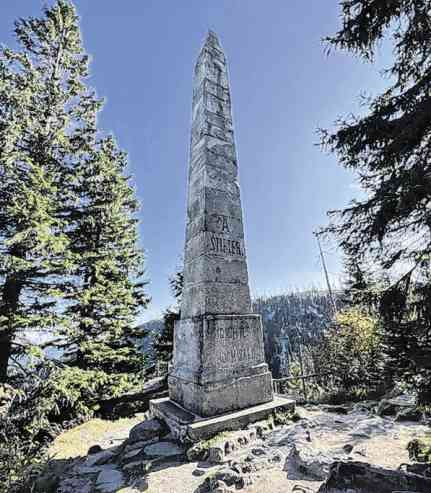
<point x="283" y="88"/>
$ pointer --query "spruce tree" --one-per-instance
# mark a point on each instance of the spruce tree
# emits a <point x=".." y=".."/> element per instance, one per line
<point x="389" y="149"/>
<point x="107" y="288"/>
<point x="164" y="342"/>
<point x="67" y="229"/>
<point x="43" y="111"/>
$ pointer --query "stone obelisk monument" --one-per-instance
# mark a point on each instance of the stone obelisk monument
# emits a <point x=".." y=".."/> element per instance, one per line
<point x="218" y="363"/>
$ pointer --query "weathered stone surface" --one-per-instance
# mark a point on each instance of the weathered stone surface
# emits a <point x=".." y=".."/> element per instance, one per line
<point x="72" y="485"/>
<point x="110" y="481"/>
<point x="390" y="407"/>
<point x="163" y="449"/>
<point x="219" y="363"/>
<point x="408" y="414"/>
<point x="186" y="425"/>
<point x="146" y="430"/>
<point x="306" y="461"/>
<point x="100" y="458"/>
<point x="359" y="477"/>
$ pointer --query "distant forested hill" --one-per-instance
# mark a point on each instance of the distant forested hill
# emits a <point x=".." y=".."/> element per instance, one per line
<point x="153" y="328"/>
<point x="288" y="319"/>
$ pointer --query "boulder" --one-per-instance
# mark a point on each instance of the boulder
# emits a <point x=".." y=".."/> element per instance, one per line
<point x="226" y="480"/>
<point x="360" y="477"/>
<point x="308" y="462"/>
<point x="370" y="427"/>
<point x="141" y="484"/>
<point x="216" y="455"/>
<point x="110" y="480"/>
<point x="94" y="449"/>
<point x="364" y="407"/>
<point x="408" y="414"/>
<point x="100" y="458"/>
<point x="163" y="449"/>
<point x="423" y="469"/>
<point x="147" y="430"/>
<point x="390" y="407"/>
<point x="72" y="485"/>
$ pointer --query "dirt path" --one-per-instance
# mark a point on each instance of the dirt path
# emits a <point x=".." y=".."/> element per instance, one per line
<point x="376" y="441"/>
<point x="318" y="439"/>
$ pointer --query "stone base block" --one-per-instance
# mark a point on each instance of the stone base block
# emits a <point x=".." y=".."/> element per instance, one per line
<point x="187" y="426"/>
<point x="219" y="364"/>
<point x="220" y="397"/>
<point x="212" y="399"/>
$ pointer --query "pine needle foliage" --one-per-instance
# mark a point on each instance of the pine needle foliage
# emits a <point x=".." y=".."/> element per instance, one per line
<point x="389" y="149"/>
<point x="42" y="121"/>
<point x="108" y="289"/>
<point x="68" y="231"/>
<point x="164" y="342"/>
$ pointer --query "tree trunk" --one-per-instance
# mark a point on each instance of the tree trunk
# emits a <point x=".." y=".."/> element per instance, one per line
<point x="9" y="305"/>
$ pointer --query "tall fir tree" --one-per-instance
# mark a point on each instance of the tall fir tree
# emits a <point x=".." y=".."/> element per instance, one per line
<point x="390" y="150"/>
<point x="67" y="226"/>
<point x="164" y="342"/>
<point x="107" y="289"/>
<point x="42" y="116"/>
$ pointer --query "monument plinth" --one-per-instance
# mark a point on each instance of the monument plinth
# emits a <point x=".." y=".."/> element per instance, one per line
<point x="219" y="363"/>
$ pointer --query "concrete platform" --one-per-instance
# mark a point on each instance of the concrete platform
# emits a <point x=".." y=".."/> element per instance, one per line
<point x="185" y="425"/>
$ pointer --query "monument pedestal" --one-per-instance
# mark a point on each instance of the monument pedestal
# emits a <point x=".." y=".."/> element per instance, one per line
<point x="187" y="426"/>
<point x="219" y="364"/>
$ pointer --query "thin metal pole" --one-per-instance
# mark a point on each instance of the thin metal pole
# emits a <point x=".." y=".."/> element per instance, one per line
<point x="325" y="270"/>
<point x="304" y="387"/>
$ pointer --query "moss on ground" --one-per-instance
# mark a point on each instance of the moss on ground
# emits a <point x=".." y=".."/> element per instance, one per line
<point x="285" y="417"/>
<point x="76" y="441"/>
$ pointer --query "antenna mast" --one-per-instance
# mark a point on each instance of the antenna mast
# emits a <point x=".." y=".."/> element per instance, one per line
<point x="325" y="270"/>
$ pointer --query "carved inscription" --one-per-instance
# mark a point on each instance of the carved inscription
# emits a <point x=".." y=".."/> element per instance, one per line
<point x="238" y="354"/>
<point x="223" y="245"/>
<point x="223" y="224"/>
<point x="234" y="343"/>
<point x="234" y="333"/>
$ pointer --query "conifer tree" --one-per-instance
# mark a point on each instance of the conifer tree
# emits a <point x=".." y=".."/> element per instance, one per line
<point x="164" y="342"/>
<point x="390" y="150"/>
<point x="43" y="114"/>
<point x="67" y="231"/>
<point x="107" y="289"/>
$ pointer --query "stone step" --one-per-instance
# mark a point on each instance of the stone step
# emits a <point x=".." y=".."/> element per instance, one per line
<point x="197" y="428"/>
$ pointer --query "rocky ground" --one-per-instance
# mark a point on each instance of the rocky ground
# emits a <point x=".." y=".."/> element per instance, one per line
<point x="296" y="457"/>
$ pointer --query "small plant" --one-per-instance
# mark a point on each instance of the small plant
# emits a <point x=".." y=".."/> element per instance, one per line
<point x="419" y="449"/>
<point x="285" y="417"/>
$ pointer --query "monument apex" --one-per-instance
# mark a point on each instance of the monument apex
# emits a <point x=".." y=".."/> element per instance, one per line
<point x="218" y="363"/>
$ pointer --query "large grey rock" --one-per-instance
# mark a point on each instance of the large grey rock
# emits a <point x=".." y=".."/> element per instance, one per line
<point x="163" y="449"/>
<point x="226" y="480"/>
<point x="408" y="414"/>
<point x="219" y="362"/>
<point x="304" y="461"/>
<point x="110" y="480"/>
<point x="390" y="407"/>
<point x="73" y="485"/>
<point x="359" y="477"/>
<point x="146" y="430"/>
<point x="370" y="427"/>
<point x="100" y="458"/>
